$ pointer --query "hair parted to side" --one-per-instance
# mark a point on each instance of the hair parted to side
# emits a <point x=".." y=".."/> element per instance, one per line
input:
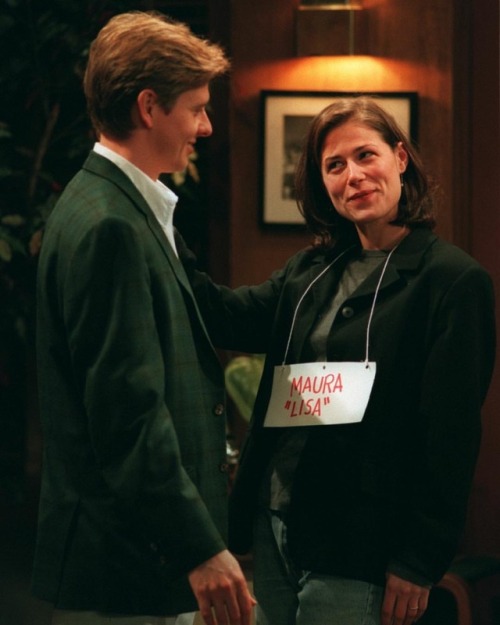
<point x="144" y="50"/>
<point x="416" y="203"/>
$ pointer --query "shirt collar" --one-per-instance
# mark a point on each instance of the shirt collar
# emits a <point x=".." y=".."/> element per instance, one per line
<point x="159" y="197"/>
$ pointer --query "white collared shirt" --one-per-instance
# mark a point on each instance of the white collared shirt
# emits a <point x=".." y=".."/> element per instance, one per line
<point x="159" y="197"/>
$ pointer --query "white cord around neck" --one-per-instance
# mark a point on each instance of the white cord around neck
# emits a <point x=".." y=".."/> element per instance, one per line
<point x="320" y="275"/>
<point x="373" y="303"/>
<point x="302" y="298"/>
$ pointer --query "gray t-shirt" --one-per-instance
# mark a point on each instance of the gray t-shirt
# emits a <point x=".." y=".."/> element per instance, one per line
<point x="278" y="483"/>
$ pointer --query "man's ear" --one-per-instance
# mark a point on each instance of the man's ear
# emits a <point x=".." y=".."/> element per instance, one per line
<point x="145" y="103"/>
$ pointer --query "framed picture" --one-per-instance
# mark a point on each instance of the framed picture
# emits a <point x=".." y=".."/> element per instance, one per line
<point x="285" y="117"/>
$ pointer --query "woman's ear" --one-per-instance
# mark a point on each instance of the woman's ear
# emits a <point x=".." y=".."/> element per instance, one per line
<point x="401" y="156"/>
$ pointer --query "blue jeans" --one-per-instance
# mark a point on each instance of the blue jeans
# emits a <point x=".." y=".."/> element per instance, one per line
<point x="287" y="595"/>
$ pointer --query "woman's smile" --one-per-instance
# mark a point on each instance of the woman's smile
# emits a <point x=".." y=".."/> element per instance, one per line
<point x="361" y="195"/>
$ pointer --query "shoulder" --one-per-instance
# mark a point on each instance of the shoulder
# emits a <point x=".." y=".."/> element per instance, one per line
<point x="299" y="267"/>
<point x="98" y="178"/>
<point x="425" y="250"/>
<point x="100" y="191"/>
<point x="452" y="259"/>
<point x="310" y="257"/>
<point x="454" y="276"/>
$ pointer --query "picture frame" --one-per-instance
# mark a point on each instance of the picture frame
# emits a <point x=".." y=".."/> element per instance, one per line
<point x="285" y="116"/>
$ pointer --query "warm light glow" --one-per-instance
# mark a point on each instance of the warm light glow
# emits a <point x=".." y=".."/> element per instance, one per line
<point x="336" y="73"/>
<point x="349" y="71"/>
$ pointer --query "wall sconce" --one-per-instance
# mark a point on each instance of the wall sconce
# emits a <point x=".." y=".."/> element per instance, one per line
<point x="329" y="28"/>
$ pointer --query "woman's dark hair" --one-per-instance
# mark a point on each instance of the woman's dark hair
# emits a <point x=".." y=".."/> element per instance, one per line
<point x="415" y="206"/>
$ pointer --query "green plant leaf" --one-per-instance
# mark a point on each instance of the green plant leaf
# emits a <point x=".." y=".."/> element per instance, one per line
<point x="5" y="251"/>
<point x="13" y="220"/>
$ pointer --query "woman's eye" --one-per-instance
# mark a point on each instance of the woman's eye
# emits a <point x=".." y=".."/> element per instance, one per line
<point x="365" y="154"/>
<point x="332" y="165"/>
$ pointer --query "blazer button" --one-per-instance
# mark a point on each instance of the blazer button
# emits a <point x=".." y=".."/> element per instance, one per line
<point x="153" y="547"/>
<point x="347" y="312"/>
<point x="219" y="409"/>
<point x="223" y="467"/>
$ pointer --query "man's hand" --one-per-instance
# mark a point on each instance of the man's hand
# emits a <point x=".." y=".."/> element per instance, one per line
<point x="221" y="591"/>
<point x="404" y="602"/>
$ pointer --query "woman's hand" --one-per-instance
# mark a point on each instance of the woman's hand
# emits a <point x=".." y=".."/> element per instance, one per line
<point x="404" y="602"/>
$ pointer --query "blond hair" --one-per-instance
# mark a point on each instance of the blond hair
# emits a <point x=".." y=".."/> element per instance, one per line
<point x="144" y="50"/>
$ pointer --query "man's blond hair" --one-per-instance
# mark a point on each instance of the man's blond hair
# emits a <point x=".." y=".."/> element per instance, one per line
<point x="144" y="50"/>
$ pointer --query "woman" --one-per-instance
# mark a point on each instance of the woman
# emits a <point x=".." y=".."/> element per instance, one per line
<point x="354" y="516"/>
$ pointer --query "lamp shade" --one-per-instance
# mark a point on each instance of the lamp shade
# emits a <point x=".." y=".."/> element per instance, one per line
<point x="329" y="29"/>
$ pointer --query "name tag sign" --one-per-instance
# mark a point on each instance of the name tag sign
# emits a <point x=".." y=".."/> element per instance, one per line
<point x="320" y="393"/>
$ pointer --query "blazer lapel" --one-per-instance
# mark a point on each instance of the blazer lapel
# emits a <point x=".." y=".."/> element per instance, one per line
<point x="407" y="258"/>
<point x="322" y="278"/>
<point x="103" y="167"/>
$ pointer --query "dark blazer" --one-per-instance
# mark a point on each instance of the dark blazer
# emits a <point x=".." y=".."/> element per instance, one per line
<point x="391" y="491"/>
<point x="132" y="403"/>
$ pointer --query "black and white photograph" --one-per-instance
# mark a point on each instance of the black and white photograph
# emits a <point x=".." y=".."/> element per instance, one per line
<point x="286" y="116"/>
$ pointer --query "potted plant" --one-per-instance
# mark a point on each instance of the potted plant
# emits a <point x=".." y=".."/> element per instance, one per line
<point x="43" y="135"/>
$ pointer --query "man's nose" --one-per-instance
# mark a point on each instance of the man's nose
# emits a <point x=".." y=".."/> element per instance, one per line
<point x="205" y="129"/>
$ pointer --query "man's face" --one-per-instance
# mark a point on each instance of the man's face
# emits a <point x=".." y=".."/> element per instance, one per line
<point x="174" y="133"/>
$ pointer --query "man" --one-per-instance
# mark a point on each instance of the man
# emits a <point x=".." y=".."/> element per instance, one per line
<point x="132" y="517"/>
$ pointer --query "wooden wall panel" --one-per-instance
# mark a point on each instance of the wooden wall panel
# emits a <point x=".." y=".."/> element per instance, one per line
<point x="402" y="59"/>
<point x="483" y="174"/>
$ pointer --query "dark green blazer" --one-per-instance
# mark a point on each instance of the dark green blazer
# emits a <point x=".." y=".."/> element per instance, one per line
<point x="389" y="493"/>
<point x="132" y="404"/>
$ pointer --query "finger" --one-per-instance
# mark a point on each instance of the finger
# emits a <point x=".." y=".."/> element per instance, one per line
<point x="388" y="608"/>
<point x="246" y="603"/>
<point x="412" y="614"/>
<point x="415" y="608"/>
<point x="421" y="603"/>
<point x="401" y="614"/>
<point x="419" y="613"/>
<point x="219" y="608"/>
<point x="206" y="611"/>
<point x="236" y="607"/>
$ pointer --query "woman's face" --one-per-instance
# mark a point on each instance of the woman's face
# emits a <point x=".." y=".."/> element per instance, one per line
<point x="361" y="173"/>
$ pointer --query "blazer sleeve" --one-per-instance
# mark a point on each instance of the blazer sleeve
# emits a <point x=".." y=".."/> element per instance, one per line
<point x="120" y="371"/>
<point x="245" y="318"/>
<point x="454" y="385"/>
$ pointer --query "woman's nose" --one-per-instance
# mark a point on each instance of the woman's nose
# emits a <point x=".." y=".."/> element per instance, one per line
<point x="354" y="172"/>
